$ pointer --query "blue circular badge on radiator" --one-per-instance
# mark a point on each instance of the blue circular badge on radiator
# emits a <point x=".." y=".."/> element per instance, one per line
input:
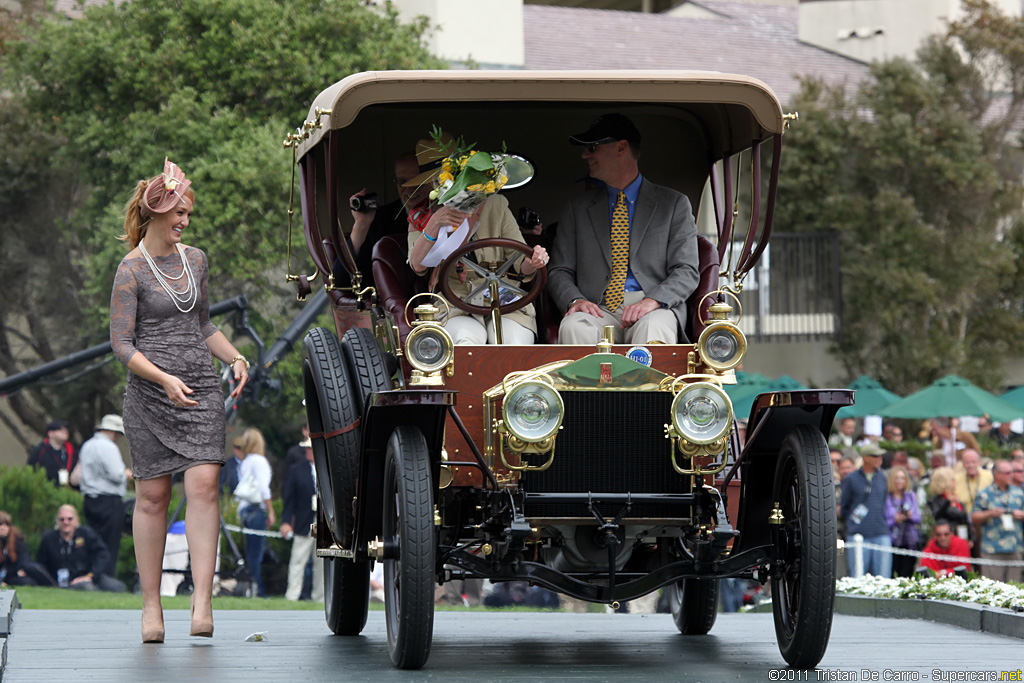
<point x="641" y="355"/>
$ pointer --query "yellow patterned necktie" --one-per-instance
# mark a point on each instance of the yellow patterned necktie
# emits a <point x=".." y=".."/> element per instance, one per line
<point x="613" y="294"/>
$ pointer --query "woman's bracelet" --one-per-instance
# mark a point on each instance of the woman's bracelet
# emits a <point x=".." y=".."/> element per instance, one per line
<point x="428" y="237"/>
<point x="240" y="357"/>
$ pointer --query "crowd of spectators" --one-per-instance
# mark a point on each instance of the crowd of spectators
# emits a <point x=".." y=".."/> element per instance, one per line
<point x="963" y="504"/>
<point x="967" y="503"/>
<point x="71" y="554"/>
<point x="84" y="556"/>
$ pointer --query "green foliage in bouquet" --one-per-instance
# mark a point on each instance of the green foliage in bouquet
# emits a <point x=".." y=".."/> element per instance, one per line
<point x="465" y="169"/>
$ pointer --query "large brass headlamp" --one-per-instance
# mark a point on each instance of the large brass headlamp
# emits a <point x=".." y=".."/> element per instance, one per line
<point x="532" y="411"/>
<point x="702" y="413"/>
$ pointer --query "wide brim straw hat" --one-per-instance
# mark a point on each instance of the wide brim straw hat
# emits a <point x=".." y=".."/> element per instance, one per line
<point x="429" y="155"/>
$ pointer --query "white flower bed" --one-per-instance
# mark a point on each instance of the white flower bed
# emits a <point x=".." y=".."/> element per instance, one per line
<point x="977" y="591"/>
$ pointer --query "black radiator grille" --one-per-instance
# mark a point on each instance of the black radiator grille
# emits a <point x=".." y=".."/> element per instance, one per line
<point x="610" y="442"/>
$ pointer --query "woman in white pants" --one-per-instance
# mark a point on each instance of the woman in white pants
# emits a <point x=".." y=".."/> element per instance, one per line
<point x="492" y="219"/>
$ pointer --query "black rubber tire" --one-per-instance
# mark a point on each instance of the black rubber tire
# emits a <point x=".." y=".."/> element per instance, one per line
<point x="332" y="405"/>
<point x="346" y="595"/>
<point x="365" y="364"/>
<point x="803" y="593"/>
<point x="409" y="522"/>
<point x="694" y="604"/>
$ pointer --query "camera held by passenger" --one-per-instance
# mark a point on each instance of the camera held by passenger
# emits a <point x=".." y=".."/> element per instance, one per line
<point x="529" y="221"/>
<point x="364" y="203"/>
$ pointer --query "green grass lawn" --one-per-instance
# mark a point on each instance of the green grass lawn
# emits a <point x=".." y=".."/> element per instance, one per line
<point x="57" y="598"/>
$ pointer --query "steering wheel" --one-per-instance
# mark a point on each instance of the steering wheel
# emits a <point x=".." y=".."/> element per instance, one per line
<point x="459" y="257"/>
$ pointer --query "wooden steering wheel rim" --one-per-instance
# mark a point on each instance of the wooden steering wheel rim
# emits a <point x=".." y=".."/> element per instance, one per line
<point x="539" y="280"/>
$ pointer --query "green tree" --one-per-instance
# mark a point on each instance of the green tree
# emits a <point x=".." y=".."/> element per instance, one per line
<point x="93" y="105"/>
<point x="920" y="175"/>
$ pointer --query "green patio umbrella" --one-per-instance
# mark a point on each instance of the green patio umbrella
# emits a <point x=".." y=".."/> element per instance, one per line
<point x="953" y="396"/>
<point x="1015" y="396"/>
<point x="871" y="398"/>
<point x="743" y="392"/>
<point x="742" y="403"/>
<point x="785" y="383"/>
<point x="747" y="383"/>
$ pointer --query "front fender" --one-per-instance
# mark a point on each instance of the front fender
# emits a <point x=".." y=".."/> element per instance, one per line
<point x="425" y="409"/>
<point x="773" y="416"/>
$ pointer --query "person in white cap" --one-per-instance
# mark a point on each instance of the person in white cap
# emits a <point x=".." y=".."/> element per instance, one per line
<point x="104" y="481"/>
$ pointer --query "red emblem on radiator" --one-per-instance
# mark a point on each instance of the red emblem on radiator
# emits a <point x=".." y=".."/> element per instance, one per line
<point x="606" y="373"/>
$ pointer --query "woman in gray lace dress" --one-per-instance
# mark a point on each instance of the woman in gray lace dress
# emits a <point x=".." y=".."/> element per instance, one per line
<point x="173" y="405"/>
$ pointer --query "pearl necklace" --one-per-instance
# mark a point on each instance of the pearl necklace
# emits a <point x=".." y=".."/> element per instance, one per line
<point x="189" y="295"/>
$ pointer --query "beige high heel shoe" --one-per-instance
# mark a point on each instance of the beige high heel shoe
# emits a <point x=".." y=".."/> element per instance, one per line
<point x="153" y="634"/>
<point x="200" y="627"/>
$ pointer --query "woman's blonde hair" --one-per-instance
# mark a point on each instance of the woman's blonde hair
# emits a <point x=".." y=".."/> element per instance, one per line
<point x="134" y="224"/>
<point x="942" y="477"/>
<point x="252" y="441"/>
<point x="892" y="478"/>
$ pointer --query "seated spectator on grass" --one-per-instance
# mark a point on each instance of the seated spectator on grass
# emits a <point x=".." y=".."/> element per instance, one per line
<point x="16" y="567"/>
<point x="945" y="542"/>
<point x="75" y="555"/>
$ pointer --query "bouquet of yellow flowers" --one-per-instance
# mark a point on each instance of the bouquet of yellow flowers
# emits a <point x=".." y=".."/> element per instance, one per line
<point x="468" y="176"/>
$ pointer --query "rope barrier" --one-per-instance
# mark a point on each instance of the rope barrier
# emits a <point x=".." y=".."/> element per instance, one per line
<point x="854" y="543"/>
<point x="253" y="531"/>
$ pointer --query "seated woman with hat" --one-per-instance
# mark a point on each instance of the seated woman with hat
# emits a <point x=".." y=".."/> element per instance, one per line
<point x="491" y="219"/>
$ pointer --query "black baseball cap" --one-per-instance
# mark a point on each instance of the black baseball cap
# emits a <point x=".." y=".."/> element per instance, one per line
<point x="54" y="425"/>
<point x="608" y="127"/>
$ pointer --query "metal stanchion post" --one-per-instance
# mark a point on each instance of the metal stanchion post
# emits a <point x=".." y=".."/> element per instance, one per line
<point x="858" y="556"/>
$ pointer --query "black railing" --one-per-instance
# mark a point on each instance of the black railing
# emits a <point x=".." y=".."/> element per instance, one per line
<point x="794" y="292"/>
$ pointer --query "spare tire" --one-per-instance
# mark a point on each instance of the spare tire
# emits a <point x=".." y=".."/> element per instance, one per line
<point x="332" y="411"/>
<point x="365" y="363"/>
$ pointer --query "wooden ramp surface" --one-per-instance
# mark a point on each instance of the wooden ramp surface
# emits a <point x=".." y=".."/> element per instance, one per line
<point x="71" y="646"/>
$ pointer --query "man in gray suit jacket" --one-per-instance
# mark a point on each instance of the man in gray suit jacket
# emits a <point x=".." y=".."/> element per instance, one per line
<point x="662" y="265"/>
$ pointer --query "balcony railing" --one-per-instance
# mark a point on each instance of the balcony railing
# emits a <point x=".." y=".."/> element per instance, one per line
<point x="794" y="292"/>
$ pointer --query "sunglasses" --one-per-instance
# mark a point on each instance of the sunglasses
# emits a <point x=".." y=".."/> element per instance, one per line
<point x="592" y="146"/>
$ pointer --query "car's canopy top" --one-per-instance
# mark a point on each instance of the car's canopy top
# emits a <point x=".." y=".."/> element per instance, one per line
<point x="731" y="110"/>
<point x="689" y="121"/>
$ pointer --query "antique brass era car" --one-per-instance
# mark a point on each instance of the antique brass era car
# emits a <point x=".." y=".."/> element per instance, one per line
<point x="601" y="472"/>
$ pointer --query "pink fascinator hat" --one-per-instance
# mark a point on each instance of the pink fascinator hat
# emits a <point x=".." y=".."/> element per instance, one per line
<point x="165" y="191"/>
